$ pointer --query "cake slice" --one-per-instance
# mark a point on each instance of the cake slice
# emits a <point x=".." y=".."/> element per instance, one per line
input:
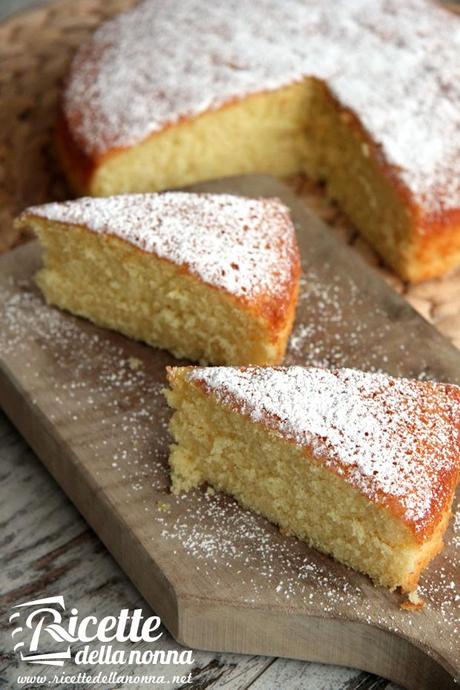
<point x="361" y="466"/>
<point x="210" y="277"/>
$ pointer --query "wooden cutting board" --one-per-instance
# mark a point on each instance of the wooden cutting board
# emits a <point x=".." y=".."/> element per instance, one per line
<point x="89" y="402"/>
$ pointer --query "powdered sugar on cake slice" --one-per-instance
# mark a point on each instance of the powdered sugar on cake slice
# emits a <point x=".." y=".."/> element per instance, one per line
<point x="396" y="440"/>
<point x="395" y="64"/>
<point x="246" y="247"/>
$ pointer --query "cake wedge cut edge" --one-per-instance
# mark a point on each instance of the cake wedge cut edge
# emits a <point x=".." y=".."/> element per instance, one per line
<point x="210" y="277"/>
<point x="361" y="466"/>
<point x="281" y="88"/>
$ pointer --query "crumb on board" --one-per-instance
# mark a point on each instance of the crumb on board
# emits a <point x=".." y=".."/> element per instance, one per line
<point x="414" y="602"/>
<point x="134" y="363"/>
<point x="215" y="537"/>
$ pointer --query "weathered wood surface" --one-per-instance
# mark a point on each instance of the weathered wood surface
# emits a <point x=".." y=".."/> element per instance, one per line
<point x="47" y="548"/>
<point x="220" y="578"/>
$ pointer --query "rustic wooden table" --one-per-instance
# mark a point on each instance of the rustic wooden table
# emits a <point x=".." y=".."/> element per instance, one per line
<point x="48" y="549"/>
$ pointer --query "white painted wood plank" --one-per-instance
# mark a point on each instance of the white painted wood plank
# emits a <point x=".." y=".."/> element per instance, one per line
<point x="296" y="675"/>
<point x="46" y="549"/>
<point x="89" y="427"/>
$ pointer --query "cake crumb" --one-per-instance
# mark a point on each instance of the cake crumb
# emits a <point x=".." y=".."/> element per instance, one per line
<point x="123" y="64"/>
<point x="217" y="536"/>
<point x="134" y="363"/>
<point x="414" y="602"/>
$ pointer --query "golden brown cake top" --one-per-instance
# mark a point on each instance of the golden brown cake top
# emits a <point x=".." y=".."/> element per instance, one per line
<point x="246" y="247"/>
<point x="395" y="64"/>
<point x="396" y="440"/>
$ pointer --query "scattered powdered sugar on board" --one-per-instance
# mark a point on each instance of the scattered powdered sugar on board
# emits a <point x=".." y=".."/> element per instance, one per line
<point x="111" y="388"/>
<point x="391" y="438"/>
<point x="244" y="246"/>
<point x="218" y="533"/>
<point x="456" y="528"/>
<point x="88" y="372"/>
<point x="314" y="340"/>
<point x="220" y="536"/>
<point x="338" y="302"/>
<point x="325" y="303"/>
<point x="442" y="592"/>
<point x="394" y="64"/>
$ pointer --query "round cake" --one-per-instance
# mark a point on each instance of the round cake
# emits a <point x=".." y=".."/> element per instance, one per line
<point x="363" y="95"/>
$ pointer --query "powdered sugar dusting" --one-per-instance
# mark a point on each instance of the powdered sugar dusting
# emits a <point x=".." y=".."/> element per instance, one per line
<point x="391" y="438"/>
<point x="244" y="246"/>
<point x="109" y="386"/>
<point x="394" y="64"/>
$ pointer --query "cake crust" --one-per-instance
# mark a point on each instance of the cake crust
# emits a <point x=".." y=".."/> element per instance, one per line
<point x="291" y="40"/>
<point x="396" y="440"/>
<point x="392" y="110"/>
<point x="360" y="466"/>
<point x="243" y="249"/>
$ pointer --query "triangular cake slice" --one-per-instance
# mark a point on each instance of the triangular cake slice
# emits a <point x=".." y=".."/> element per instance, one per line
<point x="361" y="466"/>
<point x="210" y="277"/>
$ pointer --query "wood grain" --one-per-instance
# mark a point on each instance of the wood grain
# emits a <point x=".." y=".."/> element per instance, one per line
<point x="48" y="549"/>
<point x="89" y="402"/>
